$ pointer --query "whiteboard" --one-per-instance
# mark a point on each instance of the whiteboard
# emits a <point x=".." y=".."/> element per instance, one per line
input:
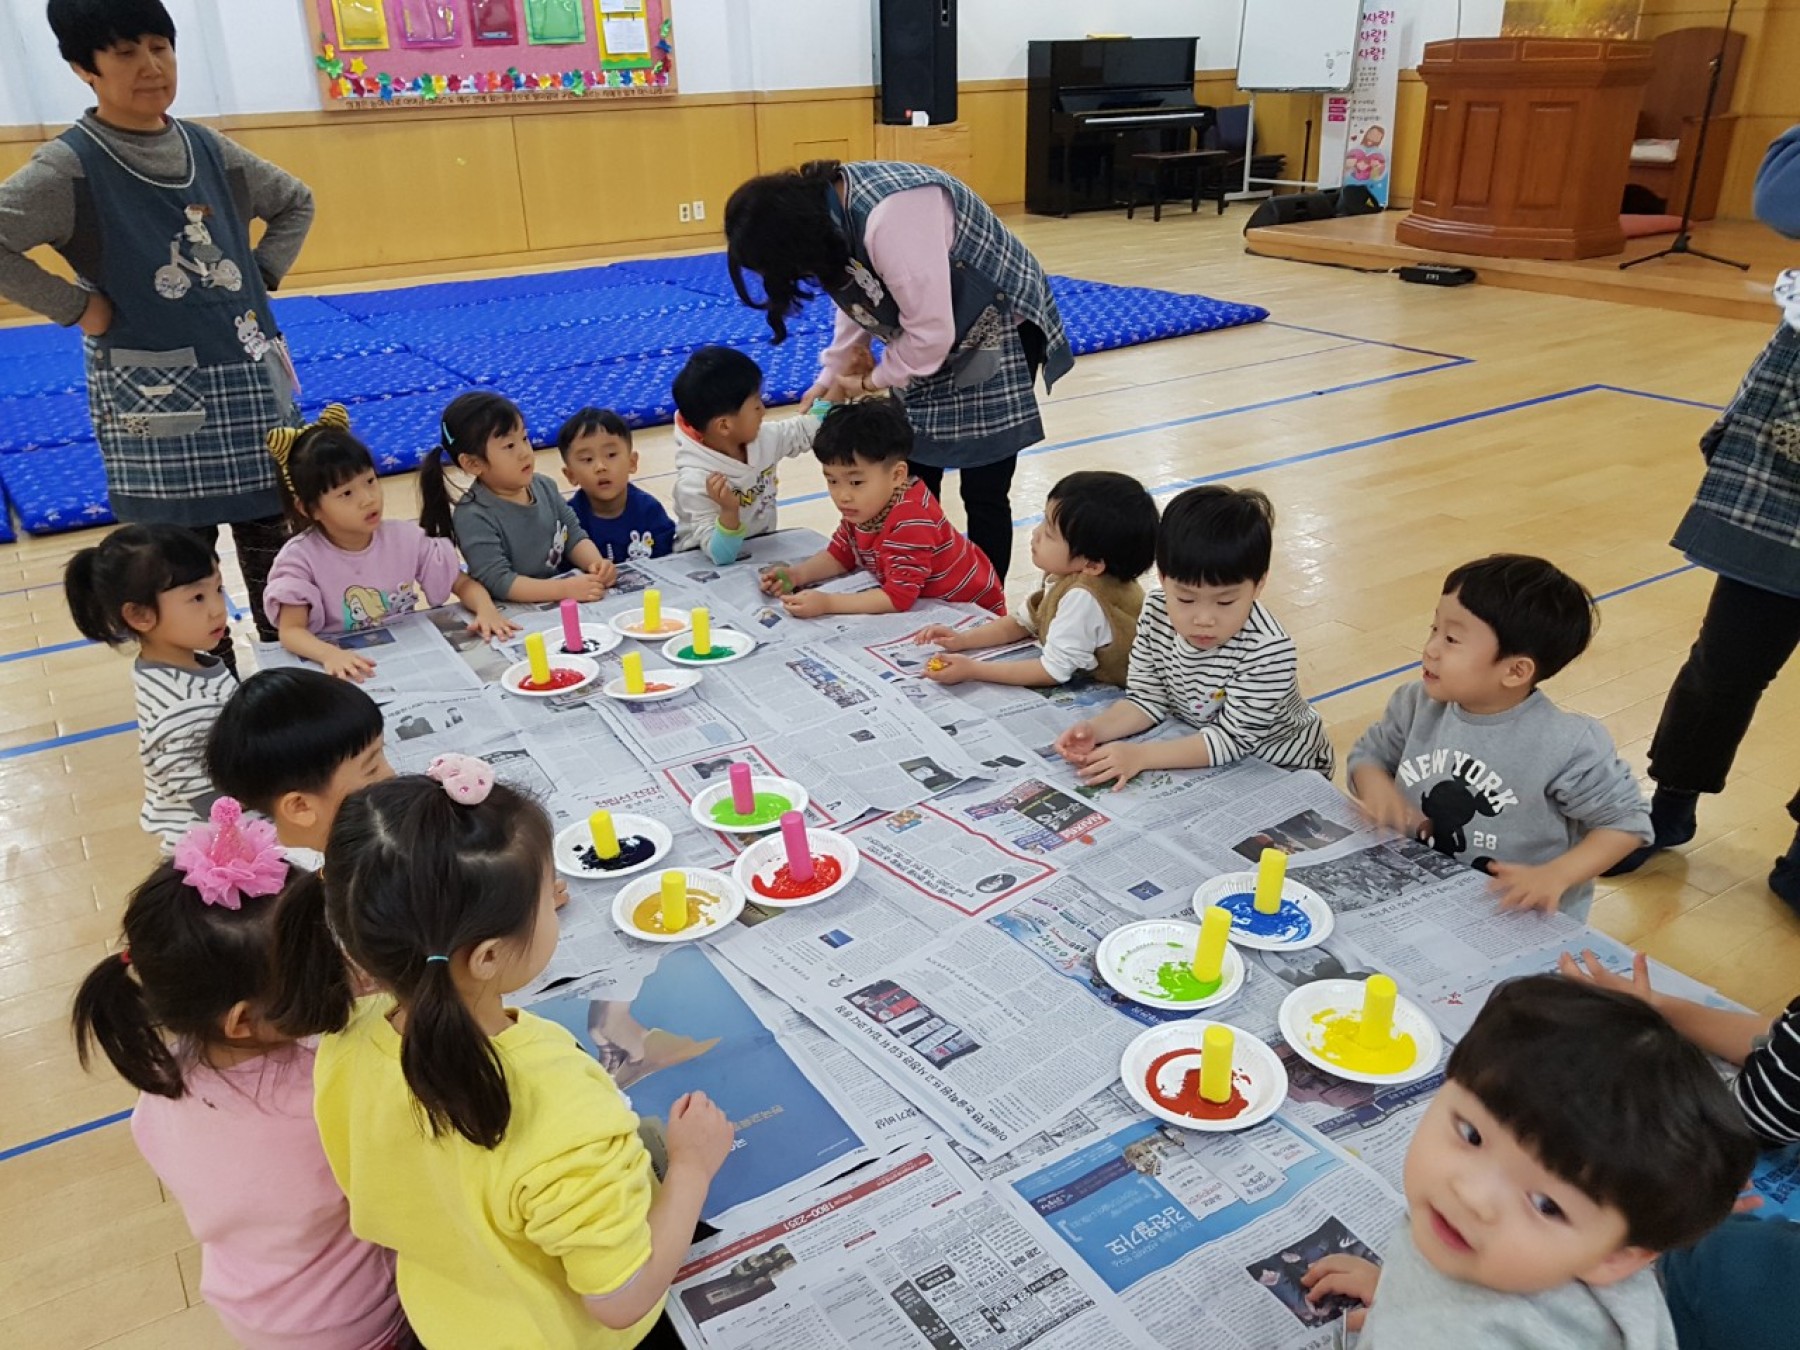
<point x="1298" y="44"/>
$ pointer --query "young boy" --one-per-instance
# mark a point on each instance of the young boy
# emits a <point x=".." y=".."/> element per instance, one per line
<point x="1097" y="537"/>
<point x="725" y="454"/>
<point x="624" y="521"/>
<point x="1206" y="652"/>
<point x="291" y="745"/>
<point x="892" y="527"/>
<point x="1476" y="761"/>
<point x="1576" y="1136"/>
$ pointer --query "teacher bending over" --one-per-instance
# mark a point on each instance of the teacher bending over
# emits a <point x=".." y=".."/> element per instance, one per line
<point x="911" y="256"/>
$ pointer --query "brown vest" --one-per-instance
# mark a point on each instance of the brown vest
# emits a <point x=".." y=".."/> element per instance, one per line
<point x="1119" y="600"/>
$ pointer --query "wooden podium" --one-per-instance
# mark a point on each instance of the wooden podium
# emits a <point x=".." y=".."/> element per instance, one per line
<point x="1526" y="147"/>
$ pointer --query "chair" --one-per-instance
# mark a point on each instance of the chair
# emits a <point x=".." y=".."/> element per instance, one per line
<point x="1668" y="127"/>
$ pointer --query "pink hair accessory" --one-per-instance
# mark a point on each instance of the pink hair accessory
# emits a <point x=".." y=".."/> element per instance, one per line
<point x="231" y="857"/>
<point x="467" y="779"/>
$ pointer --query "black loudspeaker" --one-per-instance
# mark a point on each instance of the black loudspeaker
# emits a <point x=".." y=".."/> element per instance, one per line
<point x="1355" y="200"/>
<point x="915" y="59"/>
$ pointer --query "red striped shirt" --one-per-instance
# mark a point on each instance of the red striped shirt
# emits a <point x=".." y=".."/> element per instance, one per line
<point x="916" y="553"/>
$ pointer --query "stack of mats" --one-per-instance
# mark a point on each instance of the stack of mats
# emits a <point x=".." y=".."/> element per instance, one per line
<point x="554" y="342"/>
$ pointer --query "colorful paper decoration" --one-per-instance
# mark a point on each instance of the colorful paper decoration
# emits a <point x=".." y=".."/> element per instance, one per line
<point x="493" y="22"/>
<point x="361" y="24"/>
<point x="428" y="23"/>
<point x="555" y="22"/>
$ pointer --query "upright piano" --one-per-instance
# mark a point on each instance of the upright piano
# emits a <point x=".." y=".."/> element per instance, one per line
<point x="1091" y="103"/>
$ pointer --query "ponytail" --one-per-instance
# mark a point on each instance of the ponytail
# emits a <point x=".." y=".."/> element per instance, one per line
<point x="93" y="618"/>
<point x="310" y="992"/>
<point x="132" y="566"/>
<point x="451" y="1064"/>
<point x="435" y="516"/>
<point x="111" y="1013"/>
<point x="471" y="420"/>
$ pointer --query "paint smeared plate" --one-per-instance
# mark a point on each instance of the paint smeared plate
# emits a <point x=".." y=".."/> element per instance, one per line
<point x="513" y="681"/>
<point x="574" y="842"/>
<point x="769" y="854"/>
<point x="631" y="624"/>
<point x="1305" y="921"/>
<point x="1306" y="1035"/>
<point x="701" y="808"/>
<point x="726" y="895"/>
<point x="1256" y="1071"/>
<point x="598" y="639"/>
<point x="728" y="645"/>
<point x="674" y="683"/>
<point x="1136" y="961"/>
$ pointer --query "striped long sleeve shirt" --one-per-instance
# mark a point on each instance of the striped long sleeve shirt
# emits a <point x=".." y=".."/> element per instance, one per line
<point x="917" y="554"/>
<point x="1244" y="696"/>
<point x="1768" y="1088"/>
<point x="175" y="712"/>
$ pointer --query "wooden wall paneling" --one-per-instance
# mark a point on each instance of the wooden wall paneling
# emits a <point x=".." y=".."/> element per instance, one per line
<point x="790" y="131"/>
<point x="994" y="113"/>
<point x="947" y="146"/>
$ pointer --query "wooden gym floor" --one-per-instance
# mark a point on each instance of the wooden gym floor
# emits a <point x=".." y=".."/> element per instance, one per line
<point x="1399" y="429"/>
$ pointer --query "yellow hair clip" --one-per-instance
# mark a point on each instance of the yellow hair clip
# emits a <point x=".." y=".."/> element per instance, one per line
<point x="282" y="440"/>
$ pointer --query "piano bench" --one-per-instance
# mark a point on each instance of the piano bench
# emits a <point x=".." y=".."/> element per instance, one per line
<point x="1163" y="165"/>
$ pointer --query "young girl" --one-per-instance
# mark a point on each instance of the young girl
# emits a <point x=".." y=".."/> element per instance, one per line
<point x="159" y="586"/>
<point x="346" y="568"/>
<point x="481" y="1144"/>
<point x="225" y="1119"/>
<point x="512" y="525"/>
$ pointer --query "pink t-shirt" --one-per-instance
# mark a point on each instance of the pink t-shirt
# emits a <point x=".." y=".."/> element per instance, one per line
<point x="279" y="1265"/>
<point x="908" y="237"/>
<point x="350" y="591"/>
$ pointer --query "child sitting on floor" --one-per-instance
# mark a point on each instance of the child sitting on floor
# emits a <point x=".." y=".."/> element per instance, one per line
<point x="159" y="586"/>
<point x="625" y="522"/>
<point x="892" y="527"/>
<point x="346" y="568"/>
<point x="224" y="1114"/>
<point x="726" y="453"/>
<point x="512" y="525"/>
<point x="1097" y="537"/>
<point x="1207" y="652"/>
<point x="1575" y="1137"/>
<point x="1477" y="761"/>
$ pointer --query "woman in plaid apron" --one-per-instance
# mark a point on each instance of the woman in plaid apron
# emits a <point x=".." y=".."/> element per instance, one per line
<point x="911" y="256"/>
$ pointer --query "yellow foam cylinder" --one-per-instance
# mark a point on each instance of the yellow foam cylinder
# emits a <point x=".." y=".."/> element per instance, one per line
<point x="674" y="901"/>
<point x="538" y="657"/>
<point x="1271" y="872"/>
<point x="653" y="611"/>
<point x="1215" y="1063"/>
<point x="1376" y="1028"/>
<point x="606" y="838"/>
<point x="634" y="672"/>
<point x="1209" y="952"/>
<point x="702" y="632"/>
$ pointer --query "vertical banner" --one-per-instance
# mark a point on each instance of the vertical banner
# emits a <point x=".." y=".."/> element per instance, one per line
<point x="1357" y="144"/>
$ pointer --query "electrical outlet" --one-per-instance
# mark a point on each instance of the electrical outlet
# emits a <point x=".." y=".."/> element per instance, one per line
<point x="699" y="209"/>
<point x="686" y="213"/>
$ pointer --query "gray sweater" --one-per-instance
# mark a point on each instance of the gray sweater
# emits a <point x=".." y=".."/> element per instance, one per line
<point x="1522" y="786"/>
<point x="39" y="205"/>
<point x="1416" y="1308"/>
<point x="504" y="541"/>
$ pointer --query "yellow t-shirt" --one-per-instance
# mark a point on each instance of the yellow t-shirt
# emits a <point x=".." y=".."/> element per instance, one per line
<point x="496" y="1246"/>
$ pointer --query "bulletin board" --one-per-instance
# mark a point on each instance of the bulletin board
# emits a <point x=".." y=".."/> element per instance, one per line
<point x="416" y="53"/>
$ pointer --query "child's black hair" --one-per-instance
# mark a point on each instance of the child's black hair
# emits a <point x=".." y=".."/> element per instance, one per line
<point x="468" y="424"/>
<point x="1534" y="607"/>
<point x="132" y="566"/>
<point x="1612" y="1099"/>
<point x="410" y="875"/>
<point x="321" y="459"/>
<point x="873" y="430"/>
<point x="288" y="730"/>
<point x="1106" y="517"/>
<point x="779" y="226"/>
<point x="1216" y="536"/>
<point x="184" y="966"/>
<point x="586" y="423"/>
<point x="83" y="27"/>
<point x="715" y="382"/>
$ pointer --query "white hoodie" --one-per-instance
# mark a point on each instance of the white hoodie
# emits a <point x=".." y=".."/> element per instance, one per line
<point x="696" y="513"/>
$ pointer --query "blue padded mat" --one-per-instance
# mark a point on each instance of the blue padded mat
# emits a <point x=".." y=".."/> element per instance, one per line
<point x="55" y="490"/>
<point x="58" y="372"/>
<point x="49" y="419"/>
<point x="366" y="379"/>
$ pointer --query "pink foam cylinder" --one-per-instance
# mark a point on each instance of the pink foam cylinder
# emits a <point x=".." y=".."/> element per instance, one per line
<point x="573" y="642"/>
<point x="743" y="799"/>
<point x="799" y="852"/>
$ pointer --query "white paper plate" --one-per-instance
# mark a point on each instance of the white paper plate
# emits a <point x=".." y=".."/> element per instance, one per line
<point x="739" y="644"/>
<point x="1130" y="957"/>
<point x="573" y="841"/>
<point x="629" y="624"/>
<point x="640" y="888"/>
<point x="1299" y="1009"/>
<point x="701" y="807"/>
<point x="520" y="671"/>
<point x="1256" y="1071"/>
<point x="679" y="682"/>
<point x="767" y="854"/>
<point x="599" y="637"/>
<point x="1318" y="916"/>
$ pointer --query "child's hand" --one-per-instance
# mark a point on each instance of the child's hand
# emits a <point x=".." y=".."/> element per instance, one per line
<point x="1116" y="763"/>
<point x="699" y="1135"/>
<point x="561" y="893"/>
<point x="1588" y="970"/>
<point x="489" y="622"/>
<point x="583" y="586"/>
<point x="939" y="635"/>
<point x="776" y="580"/>
<point x="1520" y="887"/>
<point x="347" y="665"/>
<point x="725" y="497"/>
<point x="607" y="571"/>
<point x="952" y="669"/>
<point x="1347" y="1277"/>
<point x="1075" y="744"/>
<point x="806" y="604"/>
<point x="1385" y="805"/>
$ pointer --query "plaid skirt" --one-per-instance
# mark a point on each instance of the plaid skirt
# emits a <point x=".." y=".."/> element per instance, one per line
<point x="966" y="426"/>
<point x="182" y="442"/>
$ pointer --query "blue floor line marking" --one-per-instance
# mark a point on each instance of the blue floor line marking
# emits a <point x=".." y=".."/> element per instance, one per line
<point x="43" y="651"/>
<point x="1370" y="342"/>
<point x="19" y="1150"/>
<point x="1202" y="374"/>
<point x="60" y="742"/>
<point x="1662" y="398"/>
